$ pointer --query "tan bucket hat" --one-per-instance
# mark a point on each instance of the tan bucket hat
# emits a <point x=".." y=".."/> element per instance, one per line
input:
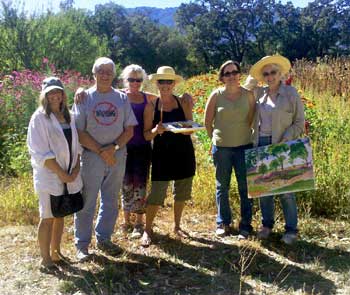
<point x="165" y="73"/>
<point x="256" y="69"/>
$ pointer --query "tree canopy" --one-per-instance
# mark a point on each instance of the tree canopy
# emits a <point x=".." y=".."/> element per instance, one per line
<point x="208" y="32"/>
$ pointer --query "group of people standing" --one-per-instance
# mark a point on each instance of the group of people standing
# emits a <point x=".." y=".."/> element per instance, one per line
<point x="110" y="131"/>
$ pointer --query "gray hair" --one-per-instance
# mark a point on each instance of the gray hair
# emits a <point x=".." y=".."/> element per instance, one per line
<point x="130" y="69"/>
<point x="102" y="61"/>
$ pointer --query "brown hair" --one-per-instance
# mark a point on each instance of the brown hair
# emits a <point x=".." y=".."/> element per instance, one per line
<point x="63" y="107"/>
<point x="224" y="65"/>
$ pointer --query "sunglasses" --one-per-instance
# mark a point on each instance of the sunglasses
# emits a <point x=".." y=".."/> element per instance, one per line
<point x="232" y="73"/>
<point x="138" y="80"/>
<point x="132" y="80"/>
<point x="167" y="82"/>
<point x="272" y="73"/>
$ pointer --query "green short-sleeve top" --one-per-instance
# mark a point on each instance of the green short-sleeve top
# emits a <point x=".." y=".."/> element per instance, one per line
<point x="231" y="127"/>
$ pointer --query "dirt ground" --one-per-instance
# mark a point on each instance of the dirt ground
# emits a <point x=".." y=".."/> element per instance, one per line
<point x="319" y="263"/>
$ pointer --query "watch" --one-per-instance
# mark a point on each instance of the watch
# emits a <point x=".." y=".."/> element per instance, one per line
<point x="116" y="146"/>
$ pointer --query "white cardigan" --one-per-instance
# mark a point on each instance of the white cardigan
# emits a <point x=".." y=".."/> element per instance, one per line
<point x="46" y="140"/>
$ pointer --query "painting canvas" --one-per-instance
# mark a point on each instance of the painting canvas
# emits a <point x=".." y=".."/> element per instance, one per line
<point x="280" y="168"/>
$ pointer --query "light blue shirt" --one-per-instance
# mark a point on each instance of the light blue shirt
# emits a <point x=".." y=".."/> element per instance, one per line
<point x="104" y="115"/>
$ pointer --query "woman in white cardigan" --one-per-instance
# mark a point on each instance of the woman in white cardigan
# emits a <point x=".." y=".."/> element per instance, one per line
<point x="54" y="148"/>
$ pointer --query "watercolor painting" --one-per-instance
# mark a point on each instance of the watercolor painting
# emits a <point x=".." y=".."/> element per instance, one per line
<point x="280" y="168"/>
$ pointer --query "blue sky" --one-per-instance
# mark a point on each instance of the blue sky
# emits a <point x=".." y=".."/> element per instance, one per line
<point x="42" y="5"/>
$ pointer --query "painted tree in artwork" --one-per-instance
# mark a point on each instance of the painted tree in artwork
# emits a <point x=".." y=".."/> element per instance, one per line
<point x="274" y="164"/>
<point x="263" y="169"/>
<point x="277" y="150"/>
<point x="251" y="159"/>
<point x="298" y="150"/>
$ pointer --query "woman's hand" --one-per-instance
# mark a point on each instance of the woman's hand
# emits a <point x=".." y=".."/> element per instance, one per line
<point x="80" y="95"/>
<point x="65" y="177"/>
<point x="159" y="129"/>
<point x="75" y="171"/>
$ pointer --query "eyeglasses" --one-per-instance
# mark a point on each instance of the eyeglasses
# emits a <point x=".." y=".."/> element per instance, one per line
<point x="232" y="73"/>
<point x="132" y="80"/>
<point x="272" y="73"/>
<point x="167" y="82"/>
<point x="106" y="73"/>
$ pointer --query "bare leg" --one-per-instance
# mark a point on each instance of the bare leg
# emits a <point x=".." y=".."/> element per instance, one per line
<point x="139" y="218"/>
<point x="56" y="237"/>
<point x="178" y="209"/>
<point x="151" y="212"/>
<point x="126" y="217"/>
<point x="44" y="237"/>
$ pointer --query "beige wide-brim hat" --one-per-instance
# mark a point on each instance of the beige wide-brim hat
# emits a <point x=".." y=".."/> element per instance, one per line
<point x="165" y="73"/>
<point x="256" y="69"/>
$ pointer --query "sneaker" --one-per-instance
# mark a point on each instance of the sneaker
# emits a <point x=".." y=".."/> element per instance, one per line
<point x="109" y="247"/>
<point x="289" y="238"/>
<point x="137" y="232"/>
<point x="222" y="230"/>
<point x="264" y="233"/>
<point x="243" y="235"/>
<point x="83" y="255"/>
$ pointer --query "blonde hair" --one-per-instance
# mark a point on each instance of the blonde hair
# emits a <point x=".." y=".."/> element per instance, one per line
<point x="43" y="101"/>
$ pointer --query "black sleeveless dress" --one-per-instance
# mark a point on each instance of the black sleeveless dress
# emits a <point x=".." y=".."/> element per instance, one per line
<point x="173" y="154"/>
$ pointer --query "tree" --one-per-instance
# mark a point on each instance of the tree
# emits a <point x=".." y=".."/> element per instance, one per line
<point x="298" y="150"/>
<point x="263" y="169"/>
<point x="67" y="43"/>
<point x="20" y="39"/>
<point x="277" y="150"/>
<point x="274" y="164"/>
<point x="251" y="159"/>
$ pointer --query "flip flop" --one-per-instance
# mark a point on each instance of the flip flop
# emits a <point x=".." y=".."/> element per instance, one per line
<point x="179" y="233"/>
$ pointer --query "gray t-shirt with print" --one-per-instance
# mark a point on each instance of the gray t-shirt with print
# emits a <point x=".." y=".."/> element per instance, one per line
<point x="104" y="115"/>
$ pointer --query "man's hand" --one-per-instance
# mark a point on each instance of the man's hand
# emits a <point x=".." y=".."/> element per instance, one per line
<point x="80" y="96"/>
<point x="186" y="98"/>
<point x="107" y="154"/>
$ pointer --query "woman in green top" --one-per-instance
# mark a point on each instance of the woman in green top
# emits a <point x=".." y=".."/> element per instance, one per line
<point x="229" y="116"/>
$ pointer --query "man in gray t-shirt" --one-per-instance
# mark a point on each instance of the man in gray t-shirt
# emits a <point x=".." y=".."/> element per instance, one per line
<point x="105" y="123"/>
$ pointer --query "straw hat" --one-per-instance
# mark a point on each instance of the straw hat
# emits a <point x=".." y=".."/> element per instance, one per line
<point x="165" y="73"/>
<point x="256" y="69"/>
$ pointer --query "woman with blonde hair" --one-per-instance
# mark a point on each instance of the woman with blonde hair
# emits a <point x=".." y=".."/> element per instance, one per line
<point x="173" y="156"/>
<point x="55" y="157"/>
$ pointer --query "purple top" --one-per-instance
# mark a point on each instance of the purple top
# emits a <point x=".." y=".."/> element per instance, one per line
<point x="138" y="108"/>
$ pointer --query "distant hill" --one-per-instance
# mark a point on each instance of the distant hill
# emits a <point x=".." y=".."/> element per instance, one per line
<point x="164" y="16"/>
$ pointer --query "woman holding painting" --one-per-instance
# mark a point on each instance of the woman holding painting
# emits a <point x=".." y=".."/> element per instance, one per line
<point x="279" y="117"/>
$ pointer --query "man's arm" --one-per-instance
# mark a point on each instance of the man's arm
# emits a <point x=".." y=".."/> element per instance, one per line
<point x="87" y="141"/>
